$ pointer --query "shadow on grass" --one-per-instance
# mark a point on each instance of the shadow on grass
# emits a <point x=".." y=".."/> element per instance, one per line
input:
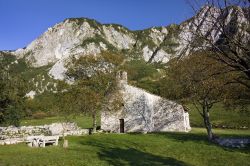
<point x="126" y="152"/>
<point x="183" y="137"/>
<point x="245" y="150"/>
<point x="119" y="156"/>
<point x="131" y="156"/>
<point x="202" y="139"/>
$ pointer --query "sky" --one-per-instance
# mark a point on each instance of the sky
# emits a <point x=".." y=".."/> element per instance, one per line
<point x="22" y="21"/>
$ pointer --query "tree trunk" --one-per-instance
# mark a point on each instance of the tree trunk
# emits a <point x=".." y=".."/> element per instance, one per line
<point x="207" y="123"/>
<point x="65" y="143"/>
<point x="94" y="123"/>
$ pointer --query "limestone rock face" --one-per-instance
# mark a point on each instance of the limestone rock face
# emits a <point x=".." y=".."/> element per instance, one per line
<point x="79" y="37"/>
<point x="76" y="37"/>
<point x="144" y="112"/>
<point x="57" y="42"/>
<point x="207" y="21"/>
<point x="122" y="39"/>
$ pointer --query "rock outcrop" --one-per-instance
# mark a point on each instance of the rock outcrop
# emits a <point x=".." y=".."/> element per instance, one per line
<point x="208" y="21"/>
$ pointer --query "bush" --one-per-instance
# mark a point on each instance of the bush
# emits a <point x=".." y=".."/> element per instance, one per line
<point x="139" y="69"/>
<point x="10" y="116"/>
<point x="39" y="115"/>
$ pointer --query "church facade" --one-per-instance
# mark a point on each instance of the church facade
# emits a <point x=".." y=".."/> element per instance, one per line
<point x="144" y="112"/>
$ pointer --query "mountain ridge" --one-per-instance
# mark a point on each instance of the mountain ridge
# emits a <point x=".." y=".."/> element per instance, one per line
<point x="76" y="37"/>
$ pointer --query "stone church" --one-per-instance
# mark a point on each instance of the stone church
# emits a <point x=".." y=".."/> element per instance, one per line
<point x="144" y="112"/>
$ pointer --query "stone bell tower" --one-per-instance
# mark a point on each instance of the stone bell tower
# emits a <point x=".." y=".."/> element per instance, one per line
<point x="122" y="78"/>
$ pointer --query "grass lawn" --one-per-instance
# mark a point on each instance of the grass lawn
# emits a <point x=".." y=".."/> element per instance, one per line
<point x="132" y="149"/>
<point x="138" y="149"/>
<point x="221" y="117"/>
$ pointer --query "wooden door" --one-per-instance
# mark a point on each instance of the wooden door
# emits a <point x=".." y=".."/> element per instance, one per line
<point x="121" y="125"/>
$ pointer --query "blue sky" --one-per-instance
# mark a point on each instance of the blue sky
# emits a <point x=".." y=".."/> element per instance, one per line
<point x="24" y="20"/>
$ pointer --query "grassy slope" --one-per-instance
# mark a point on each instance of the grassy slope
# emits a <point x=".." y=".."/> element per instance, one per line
<point x="221" y="117"/>
<point x="131" y="149"/>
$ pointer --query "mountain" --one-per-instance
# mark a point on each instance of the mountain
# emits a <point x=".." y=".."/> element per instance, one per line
<point x="44" y="60"/>
<point x="81" y="36"/>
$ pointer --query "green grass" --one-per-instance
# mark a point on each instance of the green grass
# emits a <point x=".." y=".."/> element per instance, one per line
<point x="138" y="149"/>
<point x="221" y="117"/>
<point x="132" y="149"/>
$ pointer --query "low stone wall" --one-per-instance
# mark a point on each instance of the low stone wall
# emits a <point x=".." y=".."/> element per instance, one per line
<point x="13" y="135"/>
<point x="233" y="142"/>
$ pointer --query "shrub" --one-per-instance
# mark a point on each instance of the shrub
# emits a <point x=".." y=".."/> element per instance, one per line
<point x="39" y="115"/>
<point x="11" y="116"/>
<point x="139" y="69"/>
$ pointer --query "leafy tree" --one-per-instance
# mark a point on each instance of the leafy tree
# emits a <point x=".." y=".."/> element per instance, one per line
<point x="94" y="82"/>
<point x="46" y="102"/>
<point x="194" y="79"/>
<point x="12" y="91"/>
<point x="144" y="75"/>
<point x="139" y="69"/>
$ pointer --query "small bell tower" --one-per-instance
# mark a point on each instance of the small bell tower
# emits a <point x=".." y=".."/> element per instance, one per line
<point x="122" y="78"/>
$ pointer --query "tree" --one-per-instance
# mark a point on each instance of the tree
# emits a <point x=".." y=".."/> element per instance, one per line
<point x="12" y="91"/>
<point x="222" y="26"/>
<point x="193" y="80"/>
<point x="94" y="82"/>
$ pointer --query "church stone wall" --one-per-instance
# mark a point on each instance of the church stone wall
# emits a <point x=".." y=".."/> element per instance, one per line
<point x="144" y="112"/>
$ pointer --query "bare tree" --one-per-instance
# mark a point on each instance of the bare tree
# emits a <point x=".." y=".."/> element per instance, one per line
<point x="222" y="26"/>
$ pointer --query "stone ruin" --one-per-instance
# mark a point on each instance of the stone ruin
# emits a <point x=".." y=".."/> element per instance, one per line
<point x="14" y="135"/>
